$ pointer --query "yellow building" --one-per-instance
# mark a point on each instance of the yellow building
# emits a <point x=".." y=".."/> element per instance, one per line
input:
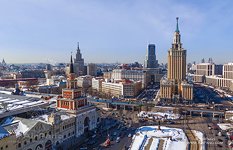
<point x="7" y="140"/>
<point x="175" y="86"/>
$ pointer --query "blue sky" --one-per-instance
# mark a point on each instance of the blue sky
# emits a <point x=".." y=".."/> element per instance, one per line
<point x="113" y="30"/>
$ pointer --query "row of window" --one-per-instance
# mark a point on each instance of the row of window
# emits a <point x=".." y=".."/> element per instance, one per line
<point x="6" y="147"/>
<point x="68" y="125"/>
<point x="36" y="138"/>
<point x="69" y="134"/>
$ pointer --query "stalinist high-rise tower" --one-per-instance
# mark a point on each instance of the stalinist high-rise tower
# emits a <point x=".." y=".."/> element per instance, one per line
<point x="175" y="88"/>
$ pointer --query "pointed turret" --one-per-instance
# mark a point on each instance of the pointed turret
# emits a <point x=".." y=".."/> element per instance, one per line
<point x="71" y="64"/>
<point x="78" y="49"/>
<point x="176" y="38"/>
<point x="177" y="25"/>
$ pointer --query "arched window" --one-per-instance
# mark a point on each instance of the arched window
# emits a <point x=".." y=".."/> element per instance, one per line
<point x="48" y="145"/>
<point x="36" y="138"/>
<point x="39" y="147"/>
<point x="19" y="145"/>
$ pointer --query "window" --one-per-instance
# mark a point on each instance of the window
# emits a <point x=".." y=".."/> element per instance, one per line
<point x="69" y="134"/>
<point x="6" y="146"/>
<point x="25" y="142"/>
<point x="19" y="145"/>
<point x="30" y="140"/>
<point x="49" y="132"/>
<point x="36" y="138"/>
<point x="64" y="136"/>
<point x="45" y="134"/>
<point x="1" y="148"/>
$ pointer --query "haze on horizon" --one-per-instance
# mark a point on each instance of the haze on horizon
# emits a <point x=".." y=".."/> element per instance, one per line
<point x="113" y="31"/>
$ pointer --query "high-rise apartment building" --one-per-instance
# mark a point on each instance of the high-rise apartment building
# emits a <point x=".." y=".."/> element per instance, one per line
<point x="175" y="86"/>
<point x="150" y="61"/>
<point x="79" y="63"/>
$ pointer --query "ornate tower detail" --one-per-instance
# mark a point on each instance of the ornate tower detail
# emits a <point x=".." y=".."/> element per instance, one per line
<point x="176" y="58"/>
<point x="175" y="87"/>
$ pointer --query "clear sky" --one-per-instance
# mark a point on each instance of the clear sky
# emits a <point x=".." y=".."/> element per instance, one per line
<point x="113" y="30"/>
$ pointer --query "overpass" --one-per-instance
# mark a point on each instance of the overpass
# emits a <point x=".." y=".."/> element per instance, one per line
<point x="116" y="104"/>
<point x="205" y="111"/>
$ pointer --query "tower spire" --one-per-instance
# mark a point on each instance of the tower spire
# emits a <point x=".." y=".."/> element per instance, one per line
<point x="177" y="24"/>
<point x="78" y="46"/>
<point x="71" y="64"/>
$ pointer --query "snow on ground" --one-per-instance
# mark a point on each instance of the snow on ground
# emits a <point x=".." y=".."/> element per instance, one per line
<point x="200" y="136"/>
<point x="158" y="115"/>
<point x="155" y="143"/>
<point x="225" y="126"/>
<point x="173" y="138"/>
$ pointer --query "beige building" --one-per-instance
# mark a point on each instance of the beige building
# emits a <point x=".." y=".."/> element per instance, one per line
<point x="225" y="80"/>
<point x="206" y="69"/>
<point x="122" y="88"/>
<point x="175" y="87"/>
<point x="31" y="134"/>
<point x="107" y="75"/>
<point x="136" y="75"/>
<point x="97" y="83"/>
<point x="84" y="81"/>
<point x="228" y="71"/>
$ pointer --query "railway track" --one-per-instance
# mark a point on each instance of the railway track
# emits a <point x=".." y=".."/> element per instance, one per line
<point x="194" y="143"/>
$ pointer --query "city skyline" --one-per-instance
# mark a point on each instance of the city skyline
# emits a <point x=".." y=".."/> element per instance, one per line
<point x="112" y="31"/>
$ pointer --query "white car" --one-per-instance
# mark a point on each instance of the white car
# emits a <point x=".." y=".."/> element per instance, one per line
<point x="118" y="139"/>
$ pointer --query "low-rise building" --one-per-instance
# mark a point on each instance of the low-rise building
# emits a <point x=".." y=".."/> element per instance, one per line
<point x="84" y="81"/>
<point x="97" y="83"/>
<point x="7" y="139"/>
<point x="122" y="88"/>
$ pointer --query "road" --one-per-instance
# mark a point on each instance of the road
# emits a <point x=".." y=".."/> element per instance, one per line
<point x="212" y="140"/>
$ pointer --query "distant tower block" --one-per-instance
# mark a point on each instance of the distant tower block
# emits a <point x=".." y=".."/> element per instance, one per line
<point x="150" y="61"/>
<point x="78" y="63"/>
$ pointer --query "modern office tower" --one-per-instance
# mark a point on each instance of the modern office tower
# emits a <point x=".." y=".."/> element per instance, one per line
<point x="91" y="69"/>
<point x="150" y="61"/>
<point x="175" y="86"/>
<point x="79" y="63"/>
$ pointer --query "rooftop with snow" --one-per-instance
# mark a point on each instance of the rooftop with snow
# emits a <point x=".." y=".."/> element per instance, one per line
<point x="14" y="104"/>
<point x="150" y="137"/>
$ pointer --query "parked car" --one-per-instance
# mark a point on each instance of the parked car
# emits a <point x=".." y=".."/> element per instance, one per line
<point x="118" y="139"/>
